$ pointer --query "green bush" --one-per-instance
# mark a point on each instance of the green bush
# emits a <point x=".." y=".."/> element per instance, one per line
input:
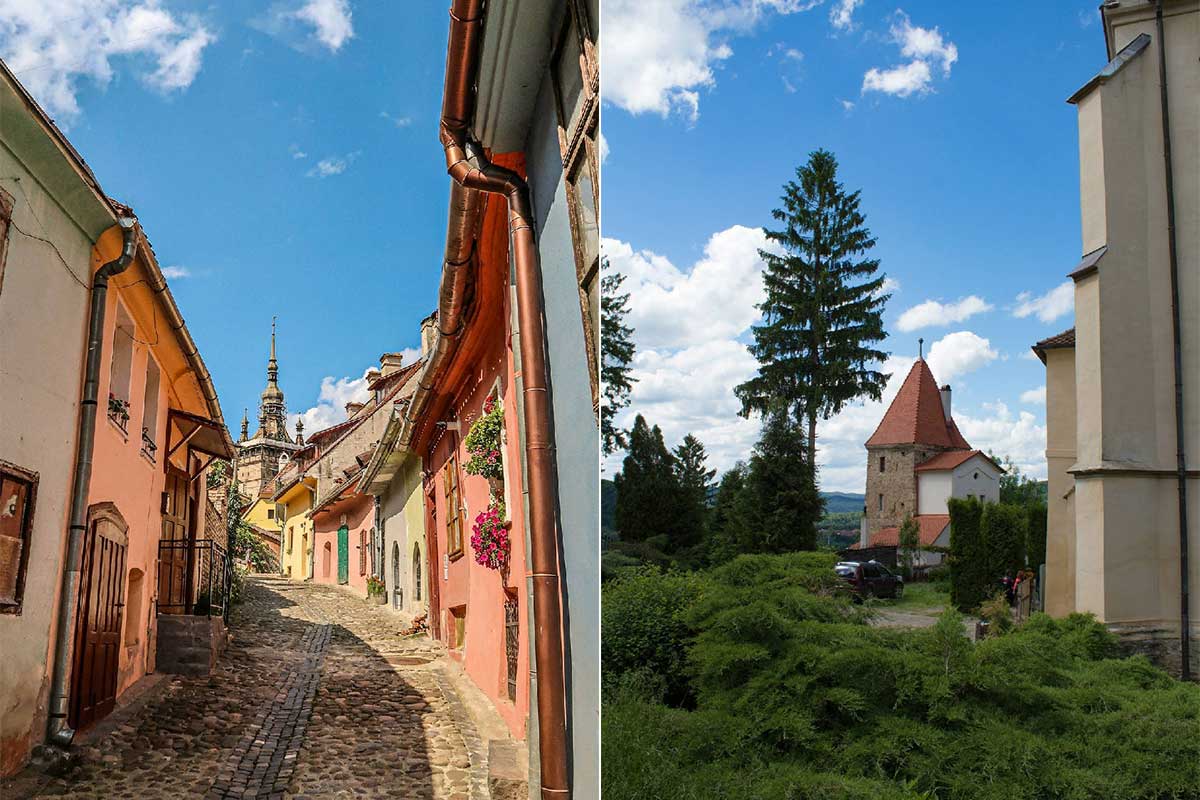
<point x="969" y="581"/>
<point x="1035" y="529"/>
<point x="1002" y="528"/>
<point x="645" y="636"/>
<point x="795" y="697"/>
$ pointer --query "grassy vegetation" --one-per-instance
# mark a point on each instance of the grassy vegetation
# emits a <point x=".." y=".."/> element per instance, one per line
<point x="920" y="597"/>
<point x="760" y="680"/>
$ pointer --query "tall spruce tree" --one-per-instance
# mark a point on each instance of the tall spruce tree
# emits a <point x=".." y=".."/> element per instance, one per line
<point x="695" y="480"/>
<point x="824" y="304"/>
<point x="648" y="489"/>
<point x="616" y="354"/>
<point x="781" y="494"/>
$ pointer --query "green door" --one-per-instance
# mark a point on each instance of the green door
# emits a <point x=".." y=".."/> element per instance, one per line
<point x="343" y="554"/>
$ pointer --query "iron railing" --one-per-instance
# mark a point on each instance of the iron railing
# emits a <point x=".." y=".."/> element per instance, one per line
<point x="193" y="580"/>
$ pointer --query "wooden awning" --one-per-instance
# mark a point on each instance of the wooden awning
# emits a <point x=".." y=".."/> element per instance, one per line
<point x="199" y="433"/>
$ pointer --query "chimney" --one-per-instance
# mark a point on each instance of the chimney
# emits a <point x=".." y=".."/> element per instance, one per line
<point x="428" y="333"/>
<point x="946" y="400"/>
<point x="373" y="375"/>
<point x="353" y="408"/>
<point x="390" y="363"/>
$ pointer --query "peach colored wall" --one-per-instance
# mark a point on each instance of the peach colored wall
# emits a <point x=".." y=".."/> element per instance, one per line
<point x="463" y="582"/>
<point x="359" y="511"/>
<point x="123" y="476"/>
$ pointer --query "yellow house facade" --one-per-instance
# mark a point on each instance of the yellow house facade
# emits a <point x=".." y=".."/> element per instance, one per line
<point x="296" y="546"/>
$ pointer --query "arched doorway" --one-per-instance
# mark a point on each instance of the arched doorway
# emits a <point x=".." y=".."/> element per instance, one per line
<point x="326" y="559"/>
<point x="416" y="575"/>
<point x="397" y="592"/>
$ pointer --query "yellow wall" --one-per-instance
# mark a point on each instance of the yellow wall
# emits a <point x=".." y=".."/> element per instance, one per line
<point x="257" y="515"/>
<point x="297" y="533"/>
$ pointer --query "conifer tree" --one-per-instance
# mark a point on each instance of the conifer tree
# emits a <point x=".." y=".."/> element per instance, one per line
<point x="781" y="492"/>
<point x="694" y="481"/>
<point x="616" y="355"/>
<point x="647" y="486"/>
<point x="824" y="301"/>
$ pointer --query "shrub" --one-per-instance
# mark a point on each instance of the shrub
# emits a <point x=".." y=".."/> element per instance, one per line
<point x="1035" y="529"/>
<point x="1002" y="529"/>
<point x="997" y="614"/>
<point x="969" y="582"/>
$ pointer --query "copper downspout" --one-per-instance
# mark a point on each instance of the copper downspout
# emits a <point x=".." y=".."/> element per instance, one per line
<point x="470" y="169"/>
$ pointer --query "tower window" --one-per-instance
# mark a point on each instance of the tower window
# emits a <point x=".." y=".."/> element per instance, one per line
<point x="882" y="463"/>
<point x="881" y="502"/>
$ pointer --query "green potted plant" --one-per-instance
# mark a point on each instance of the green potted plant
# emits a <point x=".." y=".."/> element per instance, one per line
<point x="483" y="444"/>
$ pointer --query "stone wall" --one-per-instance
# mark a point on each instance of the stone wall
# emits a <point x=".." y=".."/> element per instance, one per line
<point x="1160" y="645"/>
<point x="897" y="483"/>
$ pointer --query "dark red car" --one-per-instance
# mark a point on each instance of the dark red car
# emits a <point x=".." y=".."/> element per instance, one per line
<point x="871" y="579"/>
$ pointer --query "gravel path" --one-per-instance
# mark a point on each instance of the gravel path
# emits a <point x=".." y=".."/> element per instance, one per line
<point x="317" y="697"/>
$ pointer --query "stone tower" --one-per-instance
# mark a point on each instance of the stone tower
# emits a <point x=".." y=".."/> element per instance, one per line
<point x="916" y="427"/>
<point x="260" y="458"/>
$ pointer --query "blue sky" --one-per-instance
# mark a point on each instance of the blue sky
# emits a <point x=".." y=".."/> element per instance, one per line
<point x="283" y="154"/>
<point x="951" y="119"/>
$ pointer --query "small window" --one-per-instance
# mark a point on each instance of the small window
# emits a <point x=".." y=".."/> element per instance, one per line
<point x="270" y="513"/>
<point x="122" y="363"/>
<point x="882" y="463"/>
<point x="976" y="476"/>
<point x="133" y="608"/>
<point x="881" y="502"/>
<point x="454" y="522"/>
<point x="150" y="409"/>
<point x="18" y="494"/>
<point x="291" y="537"/>
<point x="362" y="552"/>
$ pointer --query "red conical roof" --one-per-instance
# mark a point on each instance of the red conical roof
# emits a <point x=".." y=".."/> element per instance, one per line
<point x="916" y="416"/>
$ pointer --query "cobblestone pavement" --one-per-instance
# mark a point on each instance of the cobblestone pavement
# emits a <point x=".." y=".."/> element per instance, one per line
<point x="317" y="697"/>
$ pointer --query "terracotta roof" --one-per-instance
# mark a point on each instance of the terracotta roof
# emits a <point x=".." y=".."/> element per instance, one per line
<point x="1063" y="340"/>
<point x="952" y="458"/>
<point x="931" y="527"/>
<point x="916" y="416"/>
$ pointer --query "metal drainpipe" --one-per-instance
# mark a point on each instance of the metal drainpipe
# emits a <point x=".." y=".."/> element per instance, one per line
<point x="1180" y="450"/>
<point x="58" y="731"/>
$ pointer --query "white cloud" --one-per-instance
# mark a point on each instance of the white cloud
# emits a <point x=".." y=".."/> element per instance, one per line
<point x="332" y="165"/>
<point x="174" y="272"/>
<point x="668" y="50"/>
<point x="330" y="408"/>
<point x="890" y="285"/>
<point x="847" y="105"/>
<point x="932" y="313"/>
<point x="55" y="47"/>
<point x="716" y="298"/>
<point x="841" y="15"/>
<point x="296" y="152"/>
<point x="323" y="23"/>
<point x="603" y="149"/>
<point x="330" y="20"/>
<point x="1034" y="397"/>
<point x="1049" y="306"/>
<point x="1029" y="355"/>
<point x="924" y="46"/>
<point x="399" y="122"/>
<point x="900" y="81"/>
<point x="1019" y="438"/>
<point x="956" y="354"/>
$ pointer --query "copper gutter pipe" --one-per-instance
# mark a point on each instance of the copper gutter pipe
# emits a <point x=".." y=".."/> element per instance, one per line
<point x="473" y="174"/>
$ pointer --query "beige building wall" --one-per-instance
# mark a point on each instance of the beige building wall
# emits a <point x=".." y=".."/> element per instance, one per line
<point x="897" y="484"/>
<point x="43" y="305"/>
<point x="1126" y="524"/>
<point x="1059" y="590"/>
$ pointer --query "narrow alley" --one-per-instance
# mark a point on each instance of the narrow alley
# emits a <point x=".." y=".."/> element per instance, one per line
<point x="318" y="695"/>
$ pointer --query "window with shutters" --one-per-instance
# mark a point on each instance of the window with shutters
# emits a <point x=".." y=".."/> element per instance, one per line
<point x="454" y="520"/>
<point x="18" y="496"/>
<point x="362" y="552"/>
<point x="575" y="70"/>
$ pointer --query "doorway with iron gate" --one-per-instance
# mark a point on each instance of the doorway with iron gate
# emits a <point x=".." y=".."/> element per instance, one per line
<point x="97" y="653"/>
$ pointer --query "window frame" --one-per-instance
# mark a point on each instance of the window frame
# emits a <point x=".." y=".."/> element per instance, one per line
<point x="15" y="473"/>
<point x="578" y="148"/>
<point x="454" y="517"/>
<point x="6" y="212"/>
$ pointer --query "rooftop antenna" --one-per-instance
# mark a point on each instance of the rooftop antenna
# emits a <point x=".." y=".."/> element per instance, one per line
<point x="920" y="349"/>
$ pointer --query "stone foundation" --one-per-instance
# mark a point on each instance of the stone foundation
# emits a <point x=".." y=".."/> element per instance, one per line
<point x="1161" y="645"/>
<point x="189" y="645"/>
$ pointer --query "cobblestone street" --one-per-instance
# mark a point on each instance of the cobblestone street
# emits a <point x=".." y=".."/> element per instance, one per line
<point x="317" y="696"/>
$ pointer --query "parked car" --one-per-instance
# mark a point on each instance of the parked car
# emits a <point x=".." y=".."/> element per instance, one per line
<point x="871" y="579"/>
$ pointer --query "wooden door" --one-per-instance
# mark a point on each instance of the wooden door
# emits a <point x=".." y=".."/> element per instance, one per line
<point x="173" y="559"/>
<point x="343" y="554"/>
<point x="98" y="623"/>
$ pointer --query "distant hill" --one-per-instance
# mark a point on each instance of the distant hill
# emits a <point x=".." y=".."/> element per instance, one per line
<point x="838" y="502"/>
